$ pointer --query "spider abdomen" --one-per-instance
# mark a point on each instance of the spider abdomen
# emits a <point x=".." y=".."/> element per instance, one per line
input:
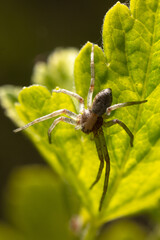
<point x="102" y="101"/>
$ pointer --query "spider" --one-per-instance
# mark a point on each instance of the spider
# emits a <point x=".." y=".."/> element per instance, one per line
<point x="91" y="120"/>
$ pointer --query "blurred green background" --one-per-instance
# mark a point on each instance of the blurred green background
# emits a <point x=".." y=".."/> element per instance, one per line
<point x="30" y="31"/>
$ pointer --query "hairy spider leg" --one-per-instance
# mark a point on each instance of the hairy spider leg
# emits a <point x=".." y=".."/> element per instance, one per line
<point x="56" y="121"/>
<point x="116" y="121"/>
<point x="72" y="94"/>
<point x="51" y="115"/>
<point x="91" y="88"/>
<point x="107" y="170"/>
<point x="101" y="158"/>
<point x="119" y="105"/>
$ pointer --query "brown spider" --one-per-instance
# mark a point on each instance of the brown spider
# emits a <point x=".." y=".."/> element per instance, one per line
<point x="90" y="120"/>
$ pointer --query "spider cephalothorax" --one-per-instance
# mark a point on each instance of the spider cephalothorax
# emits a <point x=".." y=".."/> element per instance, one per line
<point x="90" y="120"/>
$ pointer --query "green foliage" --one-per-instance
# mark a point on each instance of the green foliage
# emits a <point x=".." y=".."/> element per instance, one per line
<point x="124" y="229"/>
<point x="82" y="70"/>
<point x="37" y="205"/>
<point x="57" y="71"/>
<point x="129" y="65"/>
<point x="7" y="232"/>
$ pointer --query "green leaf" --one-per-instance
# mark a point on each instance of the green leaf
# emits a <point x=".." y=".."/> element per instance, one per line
<point x="124" y="229"/>
<point x="58" y="71"/>
<point x="135" y="184"/>
<point x="82" y="70"/>
<point x="130" y="67"/>
<point x="9" y="233"/>
<point x="8" y="98"/>
<point x="36" y="204"/>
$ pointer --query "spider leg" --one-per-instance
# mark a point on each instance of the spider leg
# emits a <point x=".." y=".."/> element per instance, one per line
<point x="116" y="121"/>
<point x="119" y="105"/>
<point x="107" y="170"/>
<point x="91" y="88"/>
<point x="56" y="121"/>
<point x="100" y="155"/>
<point x="72" y="94"/>
<point x="51" y="115"/>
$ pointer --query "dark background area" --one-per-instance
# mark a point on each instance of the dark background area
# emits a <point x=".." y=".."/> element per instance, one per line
<point x="30" y="30"/>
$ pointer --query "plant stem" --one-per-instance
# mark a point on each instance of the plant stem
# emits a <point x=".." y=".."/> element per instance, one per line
<point x="90" y="232"/>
